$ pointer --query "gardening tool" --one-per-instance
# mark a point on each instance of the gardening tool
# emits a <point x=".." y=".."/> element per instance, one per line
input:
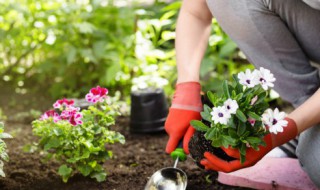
<point x="171" y="178"/>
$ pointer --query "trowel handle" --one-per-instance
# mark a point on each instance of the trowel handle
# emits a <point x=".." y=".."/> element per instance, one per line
<point x="179" y="152"/>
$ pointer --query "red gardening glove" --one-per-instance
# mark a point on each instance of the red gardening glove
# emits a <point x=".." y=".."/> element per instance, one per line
<point x="186" y="106"/>
<point x="212" y="162"/>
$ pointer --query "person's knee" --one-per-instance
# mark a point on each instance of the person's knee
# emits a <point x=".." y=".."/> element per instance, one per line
<point x="308" y="153"/>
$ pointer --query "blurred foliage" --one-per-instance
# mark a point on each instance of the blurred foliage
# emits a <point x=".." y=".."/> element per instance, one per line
<point x="3" y="117"/>
<point x="68" y="46"/>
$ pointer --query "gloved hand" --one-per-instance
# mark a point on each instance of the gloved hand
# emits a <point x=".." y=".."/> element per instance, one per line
<point x="212" y="162"/>
<point x="186" y="106"/>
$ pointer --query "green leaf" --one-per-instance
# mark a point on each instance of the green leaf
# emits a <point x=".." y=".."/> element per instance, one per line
<point x="261" y="97"/>
<point x="99" y="176"/>
<point x="232" y="133"/>
<point x="199" y="126"/>
<point x="242" y="158"/>
<point x="4" y="156"/>
<point x="253" y="140"/>
<point x="85" y="169"/>
<point x="212" y="97"/>
<point x="206" y="113"/>
<point x="227" y="141"/>
<point x="65" y="172"/>
<point x="211" y="134"/>
<point x="241" y="129"/>
<point x="254" y="116"/>
<point x="243" y="149"/>
<point x="217" y="142"/>
<point x="231" y="123"/>
<point x="52" y="143"/>
<point x="206" y="108"/>
<point x="226" y="89"/>
<point x="241" y="115"/>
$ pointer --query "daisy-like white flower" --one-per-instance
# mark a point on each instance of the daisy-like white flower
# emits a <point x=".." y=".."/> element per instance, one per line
<point x="266" y="78"/>
<point x="220" y="115"/>
<point x="248" y="78"/>
<point x="274" y="120"/>
<point x="231" y="106"/>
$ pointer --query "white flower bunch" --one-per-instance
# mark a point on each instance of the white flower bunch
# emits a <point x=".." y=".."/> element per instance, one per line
<point x="241" y="117"/>
<point x="263" y="77"/>
<point x="222" y="114"/>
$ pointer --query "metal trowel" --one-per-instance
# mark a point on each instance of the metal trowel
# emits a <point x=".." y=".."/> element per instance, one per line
<point x="171" y="178"/>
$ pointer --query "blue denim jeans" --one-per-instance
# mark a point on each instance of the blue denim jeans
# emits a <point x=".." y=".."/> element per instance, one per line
<point x="284" y="37"/>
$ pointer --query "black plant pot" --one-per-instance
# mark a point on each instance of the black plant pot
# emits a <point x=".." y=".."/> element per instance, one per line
<point x="149" y="111"/>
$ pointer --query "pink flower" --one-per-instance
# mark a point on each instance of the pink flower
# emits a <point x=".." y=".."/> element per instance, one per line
<point x="251" y="121"/>
<point x="68" y="112"/>
<point x="63" y="102"/>
<point x="49" y="114"/>
<point x="97" y="94"/>
<point x="75" y="119"/>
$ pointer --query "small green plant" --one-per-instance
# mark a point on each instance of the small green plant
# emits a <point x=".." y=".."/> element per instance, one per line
<point x="79" y="139"/>
<point x="240" y="117"/>
<point x="3" y="149"/>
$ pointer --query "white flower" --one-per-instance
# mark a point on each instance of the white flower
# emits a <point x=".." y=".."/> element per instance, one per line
<point x="231" y="106"/>
<point x="220" y="115"/>
<point x="248" y="79"/>
<point x="274" y="120"/>
<point x="266" y="78"/>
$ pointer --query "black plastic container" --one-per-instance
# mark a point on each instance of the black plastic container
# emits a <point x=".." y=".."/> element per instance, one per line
<point x="149" y="110"/>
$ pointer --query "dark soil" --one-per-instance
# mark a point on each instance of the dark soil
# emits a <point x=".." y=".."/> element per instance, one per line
<point x="132" y="165"/>
<point x="198" y="145"/>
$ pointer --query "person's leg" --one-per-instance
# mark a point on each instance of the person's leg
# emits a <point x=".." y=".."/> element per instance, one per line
<point x="271" y="41"/>
<point x="282" y="36"/>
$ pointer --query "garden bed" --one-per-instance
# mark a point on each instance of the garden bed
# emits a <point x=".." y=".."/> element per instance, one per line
<point x="133" y="163"/>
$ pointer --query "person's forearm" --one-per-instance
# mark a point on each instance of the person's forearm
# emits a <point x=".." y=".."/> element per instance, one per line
<point x="308" y="114"/>
<point x="192" y="33"/>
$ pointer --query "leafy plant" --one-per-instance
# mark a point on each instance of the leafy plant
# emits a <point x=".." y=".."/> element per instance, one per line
<point x="79" y="140"/>
<point x="89" y="42"/>
<point x="238" y="118"/>
<point x="3" y="148"/>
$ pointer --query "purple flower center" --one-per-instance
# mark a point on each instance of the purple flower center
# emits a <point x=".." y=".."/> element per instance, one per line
<point x="274" y="122"/>
<point x="228" y="107"/>
<point x="262" y="80"/>
<point x="220" y="114"/>
<point x="248" y="81"/>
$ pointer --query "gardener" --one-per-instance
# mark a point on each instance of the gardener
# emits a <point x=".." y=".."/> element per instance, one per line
<point x="280" y="35"/>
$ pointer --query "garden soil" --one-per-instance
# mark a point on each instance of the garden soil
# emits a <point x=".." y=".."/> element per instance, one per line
<point x="131" y="167"/>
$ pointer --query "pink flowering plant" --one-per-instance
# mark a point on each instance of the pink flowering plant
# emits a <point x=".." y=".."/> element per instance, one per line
<point x="79" y="139"/>
<point x="241" y="117"/>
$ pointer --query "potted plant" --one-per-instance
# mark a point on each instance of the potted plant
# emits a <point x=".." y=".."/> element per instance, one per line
<point x="149" y="107"/>
<point x="3" y="148"/>
<point x="239" y="118"/>
<point x="79" y="139"/>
